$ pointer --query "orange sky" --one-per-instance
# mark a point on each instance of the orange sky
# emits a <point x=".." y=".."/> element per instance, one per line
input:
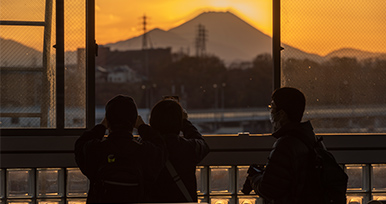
<point x="123" y="17"/>
<point x="311" y="25"/>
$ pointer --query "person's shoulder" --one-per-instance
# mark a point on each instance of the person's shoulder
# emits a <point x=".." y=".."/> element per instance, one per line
<point x="289" y="141"/>
<point x="122" y="142"/>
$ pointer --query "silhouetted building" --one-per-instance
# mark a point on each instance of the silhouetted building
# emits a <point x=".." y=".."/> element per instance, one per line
<point x="144" y="62"/>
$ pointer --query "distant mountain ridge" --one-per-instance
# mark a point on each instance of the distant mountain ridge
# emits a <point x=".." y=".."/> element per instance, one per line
<point x="15" y="54"/>
<point x="228" y="37"/>
<point x="356" y="53"/>
<point x="221" y="38"/>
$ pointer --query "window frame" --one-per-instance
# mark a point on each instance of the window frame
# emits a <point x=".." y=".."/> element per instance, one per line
<point x="91" y="52"/>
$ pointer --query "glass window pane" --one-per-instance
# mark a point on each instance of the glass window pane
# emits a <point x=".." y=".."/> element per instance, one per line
<point x="50" y="201"/>
<point x="379" y="177"/>
<point x="27" y="65"/>
<point x="76" y="201"/>
<point x="351" y="199"/>
<point x="17" y="201"/>
<point x="20" y="183"/>
<point x="334" y="53"/>
<point x="219" y="63"/>
<point x="221" y="179"/>
<point x="379" y="196"/>
<point x="221" y="200"/>
<point x="49" y="182"/>
<point x="75" y="64"/>
<point x="201" y="176"/>
<point x="77" y="183"/>
<point x="32" y="10"/>
<point x="249" y="200"/>
<point x="242" y="173"/>
<point x="2" y="179"/>
<point x="355" y="177"/>
<point x="202" y="199"/>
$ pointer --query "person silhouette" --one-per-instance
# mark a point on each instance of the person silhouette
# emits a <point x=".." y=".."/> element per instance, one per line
<point x="285" y="174"/>
<point x="121" y="169"/>
<point x="184" y="153"/>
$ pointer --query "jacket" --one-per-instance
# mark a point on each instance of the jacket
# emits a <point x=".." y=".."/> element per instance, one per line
<point x="185" y="152"/>
<point x="284" y="178"/>
<point x="92" y="151"/>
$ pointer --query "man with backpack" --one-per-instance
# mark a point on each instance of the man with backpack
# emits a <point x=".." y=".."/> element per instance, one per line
<point x="121" y="169"/>
<point x="299" y="168"/>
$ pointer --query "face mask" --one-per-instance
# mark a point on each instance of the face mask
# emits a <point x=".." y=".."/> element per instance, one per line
<point x="274" y="117"/>
<point x="277" y="120"/>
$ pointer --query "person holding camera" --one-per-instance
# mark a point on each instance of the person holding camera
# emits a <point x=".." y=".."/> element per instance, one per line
<point x="121" y="168"/>
<point x="177" y="181"/>
<point x="283" y="179"/>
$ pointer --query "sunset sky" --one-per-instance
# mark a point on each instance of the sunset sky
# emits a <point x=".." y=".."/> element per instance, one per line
<point x="123" y="17"/>
<point x="311" y="25"/>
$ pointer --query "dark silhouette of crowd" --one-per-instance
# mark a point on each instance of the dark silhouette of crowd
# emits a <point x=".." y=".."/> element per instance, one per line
<point x="159" y="165"/>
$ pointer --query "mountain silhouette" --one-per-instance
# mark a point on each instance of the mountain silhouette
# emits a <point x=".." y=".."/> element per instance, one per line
<point x="15" y="54"/>
<point x="227" y="35"/>
<point x="355" y="53"/>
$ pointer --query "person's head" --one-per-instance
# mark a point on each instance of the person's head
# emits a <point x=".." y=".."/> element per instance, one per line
<point x="166" y="117"/>
<point x="287" y="103"/>
<point x="121" y="113"/>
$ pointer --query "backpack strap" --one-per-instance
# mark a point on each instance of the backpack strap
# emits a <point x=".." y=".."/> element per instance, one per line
<point x="303" y="138"/>
<point x="313" y="154"/>
<point x="177" y="179"/>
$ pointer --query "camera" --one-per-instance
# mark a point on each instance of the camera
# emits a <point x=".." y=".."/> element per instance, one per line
<point x="253" y="170"/>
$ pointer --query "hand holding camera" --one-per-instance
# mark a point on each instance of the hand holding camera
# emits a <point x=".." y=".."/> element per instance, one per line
<point x="253" y="170"/>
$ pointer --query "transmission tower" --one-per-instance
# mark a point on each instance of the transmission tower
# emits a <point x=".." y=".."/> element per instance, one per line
<point x="144" y="36"/>
<point x="201" y="39"/>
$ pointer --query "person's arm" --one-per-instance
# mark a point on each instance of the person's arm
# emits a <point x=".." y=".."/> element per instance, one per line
<point x="195" y="138"/>
<point x="190" y="131"/>
<point x="281" y="169"/>
<point x="86" y="148"/>
<point x="147" y="133"/>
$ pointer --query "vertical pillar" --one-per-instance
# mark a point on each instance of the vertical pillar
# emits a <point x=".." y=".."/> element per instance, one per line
<point x="276" y="44"/>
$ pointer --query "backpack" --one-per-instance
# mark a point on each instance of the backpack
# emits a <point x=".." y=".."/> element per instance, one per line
<point x="120" y="179"/>
<point x="326" y="179"/>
